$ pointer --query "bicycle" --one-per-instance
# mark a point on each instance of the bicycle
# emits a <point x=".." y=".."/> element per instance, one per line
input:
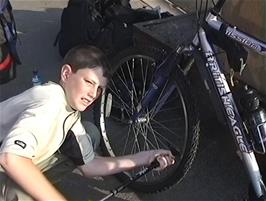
<point x="148" y="104"/>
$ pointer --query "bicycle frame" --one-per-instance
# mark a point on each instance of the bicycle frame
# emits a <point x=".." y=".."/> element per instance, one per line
<point x="237" y="35"/>
<point x="224" y="93"/>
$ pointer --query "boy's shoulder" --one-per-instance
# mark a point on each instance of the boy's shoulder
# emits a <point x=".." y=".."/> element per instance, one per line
<point x="52" y="87"/>
<point x="49" y="91"/>
<point x="49" y="88"/>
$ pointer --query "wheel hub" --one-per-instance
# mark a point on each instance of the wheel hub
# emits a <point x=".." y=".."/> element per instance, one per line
<point x="139" y="120"/>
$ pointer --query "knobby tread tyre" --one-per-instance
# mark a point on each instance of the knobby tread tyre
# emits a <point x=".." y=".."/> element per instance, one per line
<point x="157" y="182"/>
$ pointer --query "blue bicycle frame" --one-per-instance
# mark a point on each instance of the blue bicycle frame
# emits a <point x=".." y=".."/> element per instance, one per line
<point x="234" y="120"/>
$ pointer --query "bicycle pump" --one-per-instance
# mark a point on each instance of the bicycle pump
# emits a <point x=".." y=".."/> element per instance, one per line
<point x="153" y="165"/>
<point x="139" y="174"/>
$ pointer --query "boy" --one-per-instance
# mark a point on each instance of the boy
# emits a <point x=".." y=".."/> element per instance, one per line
<point x="39" y="121"/>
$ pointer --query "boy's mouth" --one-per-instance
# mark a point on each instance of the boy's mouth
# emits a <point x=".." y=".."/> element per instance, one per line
<point x="86" y="101"/>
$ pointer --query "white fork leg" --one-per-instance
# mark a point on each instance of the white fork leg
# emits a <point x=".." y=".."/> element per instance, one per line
<point x="254" y="173"/>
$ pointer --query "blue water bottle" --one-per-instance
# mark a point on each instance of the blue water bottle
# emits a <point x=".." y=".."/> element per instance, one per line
<point x="36" y="79"/>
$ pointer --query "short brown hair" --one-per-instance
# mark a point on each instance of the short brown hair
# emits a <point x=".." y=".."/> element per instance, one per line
<point x="86" y="56"/>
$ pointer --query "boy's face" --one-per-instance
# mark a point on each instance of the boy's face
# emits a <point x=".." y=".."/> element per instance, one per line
<point x="82" y="87"/>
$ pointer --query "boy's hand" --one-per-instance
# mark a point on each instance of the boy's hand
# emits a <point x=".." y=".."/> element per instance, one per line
<point x="164" y="157"/>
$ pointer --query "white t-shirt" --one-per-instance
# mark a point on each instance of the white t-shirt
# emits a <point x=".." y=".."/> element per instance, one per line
<point x="35" y="123"/>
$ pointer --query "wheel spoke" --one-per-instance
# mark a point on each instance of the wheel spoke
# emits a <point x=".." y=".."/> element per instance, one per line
<point x="127" y="140"/>
<point x="153" y="134"/>
<point x="136" y="142"/>
<point x="144" y="78"/>
<point x="144" y="134"/>
<point x="152" y="112"/>
<point x="156" y="133"/>
<point x="163" y="126"/>
<point x="132" y="92"/>
<point x="131" y="77"/>
<point x="117" y="94"/>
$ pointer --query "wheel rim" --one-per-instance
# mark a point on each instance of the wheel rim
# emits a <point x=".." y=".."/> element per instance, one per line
<point x="122" y="136"/>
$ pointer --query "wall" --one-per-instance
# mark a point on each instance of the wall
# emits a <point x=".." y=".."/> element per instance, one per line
<point x="250" y="17"/>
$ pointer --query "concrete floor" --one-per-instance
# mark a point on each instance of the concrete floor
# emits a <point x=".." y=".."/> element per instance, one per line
<point x="217" y="173"/>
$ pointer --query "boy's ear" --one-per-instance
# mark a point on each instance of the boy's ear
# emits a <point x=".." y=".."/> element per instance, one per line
<point x="65" y="72"/>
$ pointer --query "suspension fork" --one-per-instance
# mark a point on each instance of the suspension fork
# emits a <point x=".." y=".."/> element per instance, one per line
<point x="233" y="118"/>
<point x="163" y="73"/>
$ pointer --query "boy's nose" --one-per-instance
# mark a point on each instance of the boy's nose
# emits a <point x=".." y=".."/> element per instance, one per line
<point x="92" y="92"/>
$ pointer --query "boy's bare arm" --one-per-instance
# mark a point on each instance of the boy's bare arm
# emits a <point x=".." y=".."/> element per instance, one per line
<point x="102" y="166"/>
<point x="29" y="177"/>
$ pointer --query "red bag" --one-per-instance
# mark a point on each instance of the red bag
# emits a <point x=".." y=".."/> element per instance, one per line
<point x="7" y="65"/>
<point x="8" y="38"/>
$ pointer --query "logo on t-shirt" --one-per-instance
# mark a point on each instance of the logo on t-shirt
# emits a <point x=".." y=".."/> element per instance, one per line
<point x="20" y="143"/>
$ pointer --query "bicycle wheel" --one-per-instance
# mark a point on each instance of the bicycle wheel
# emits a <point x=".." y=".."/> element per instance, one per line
<point x="175" y="124"/>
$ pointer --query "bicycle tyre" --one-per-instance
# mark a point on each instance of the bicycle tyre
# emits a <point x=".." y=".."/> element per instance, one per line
<point x="107" y="119"/>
